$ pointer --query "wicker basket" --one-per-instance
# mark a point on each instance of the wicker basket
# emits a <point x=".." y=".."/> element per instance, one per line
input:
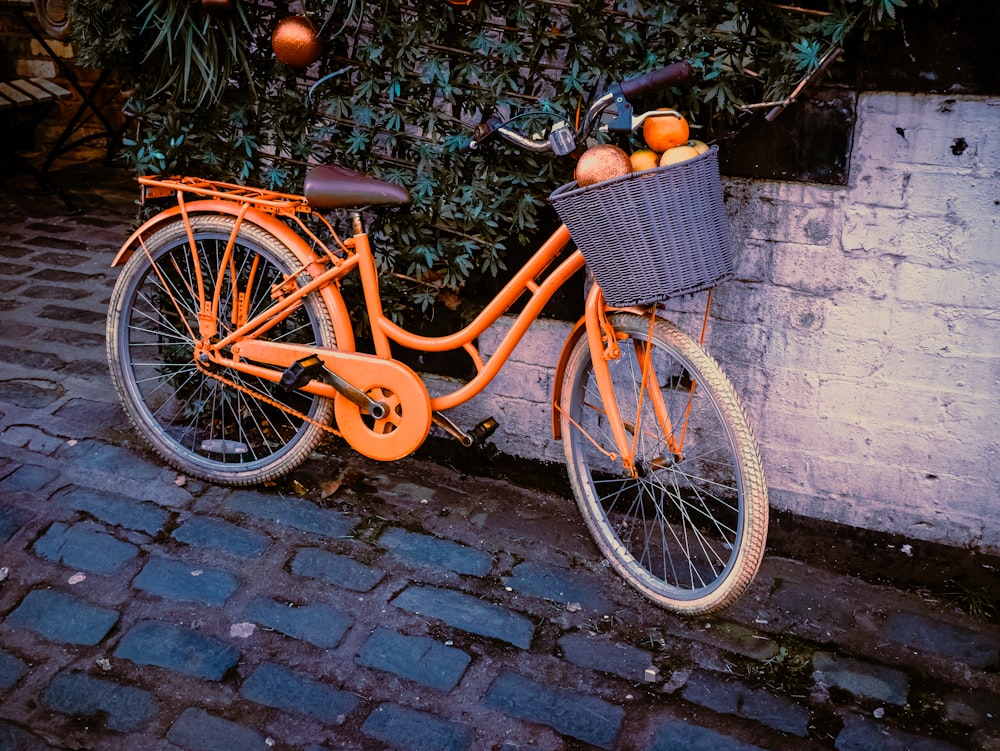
<point x="652" y="235"/>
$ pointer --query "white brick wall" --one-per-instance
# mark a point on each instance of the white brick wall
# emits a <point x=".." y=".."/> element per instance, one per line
<point x="863" y="333"/>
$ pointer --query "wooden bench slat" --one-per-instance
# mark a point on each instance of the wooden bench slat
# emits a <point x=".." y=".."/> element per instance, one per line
<point x="34" y="92"/>
<point x="17" y="97"/>
<point x="51" y="86"/>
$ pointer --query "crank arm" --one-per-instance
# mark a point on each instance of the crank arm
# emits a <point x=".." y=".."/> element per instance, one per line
<point x="298" y="374"/>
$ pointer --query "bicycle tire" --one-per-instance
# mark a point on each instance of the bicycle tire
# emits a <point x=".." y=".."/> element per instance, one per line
<point x="196" y="422"/>
<point x="689" y="530"/>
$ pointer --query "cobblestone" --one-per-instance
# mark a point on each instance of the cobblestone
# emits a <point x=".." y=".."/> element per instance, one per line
<point x="430" y="551"/>
<point x="222" y="536"/>
<point x="733" y="698"/>
<point x="578" y="715"/>
<point x="114" y="510"/>
<point x="932" y="636"/>
<point x="197" y="730"/>
<point x="675" y="735"/>
<point x="416" y="658"/>
<point x="416" y="731"/>
<point x="468" y="613"/>
<point x="558" y="585"/>
<point x="861" y="679"/>
<point x="597" y="653"/>
<point x="11" y="670"/>
<point x="864" y="734"/>
<point x="292" y="513"/>
<point x="184" y="650"/>
<point x="121" y="708"/>
<point x="85" y="548"/>
<point x="281" y="688"/>
<point x="340" y="570"/>
<point x="178" y="580"/>
<point x="63" y="618"/>
<point x="317" y="623"/>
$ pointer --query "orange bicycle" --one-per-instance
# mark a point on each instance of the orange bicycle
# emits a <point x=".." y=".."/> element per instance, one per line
<point x="233" y="353"/>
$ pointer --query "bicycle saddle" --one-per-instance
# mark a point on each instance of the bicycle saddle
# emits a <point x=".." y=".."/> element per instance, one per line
<point x="333" y="187"/>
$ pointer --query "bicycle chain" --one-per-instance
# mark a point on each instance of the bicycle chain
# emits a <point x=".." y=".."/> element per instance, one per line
<point x="260" y="395"/>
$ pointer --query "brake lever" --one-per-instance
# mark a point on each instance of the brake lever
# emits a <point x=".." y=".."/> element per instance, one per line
<point x="636" y="121"/>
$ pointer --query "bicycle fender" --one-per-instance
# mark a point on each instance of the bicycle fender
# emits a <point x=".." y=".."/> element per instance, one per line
<point x="579" y="329"/>
<point x="270" y="224"/>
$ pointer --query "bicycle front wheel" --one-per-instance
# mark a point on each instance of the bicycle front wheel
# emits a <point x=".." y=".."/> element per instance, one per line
<point x="687" y="527"/>
<point x="218" y="425"/>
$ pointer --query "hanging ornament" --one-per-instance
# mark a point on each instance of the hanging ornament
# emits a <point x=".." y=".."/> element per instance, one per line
<point x="218" y="8"/>
<point x="295" y="42"/>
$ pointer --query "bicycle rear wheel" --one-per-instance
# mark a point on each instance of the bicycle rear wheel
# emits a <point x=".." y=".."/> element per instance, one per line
<point x="688" y="529"/>
<point x="199" y="421"/>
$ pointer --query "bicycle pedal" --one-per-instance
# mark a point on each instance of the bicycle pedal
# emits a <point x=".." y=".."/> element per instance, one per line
<point x="483" y="430"/>
<point x="299" y="373"/>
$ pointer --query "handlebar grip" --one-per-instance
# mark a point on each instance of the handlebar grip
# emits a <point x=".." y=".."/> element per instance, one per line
<point x="657" y="79"/>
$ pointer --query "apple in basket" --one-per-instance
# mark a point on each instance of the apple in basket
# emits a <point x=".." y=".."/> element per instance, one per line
<point x="600" y="163"/>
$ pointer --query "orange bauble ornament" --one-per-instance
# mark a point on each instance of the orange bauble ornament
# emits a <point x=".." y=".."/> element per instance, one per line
<point x="295" y="43"/>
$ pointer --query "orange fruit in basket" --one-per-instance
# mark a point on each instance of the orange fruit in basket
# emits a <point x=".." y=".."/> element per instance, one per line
<point x="665" y="131"/>
<point x="701" y="146"/>
<point x="644" y="159"/>
<point x="601" y="163"/>
<point x="678" y="154"/>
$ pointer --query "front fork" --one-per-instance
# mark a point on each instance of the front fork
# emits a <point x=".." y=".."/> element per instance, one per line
<point x="604" y="341"/>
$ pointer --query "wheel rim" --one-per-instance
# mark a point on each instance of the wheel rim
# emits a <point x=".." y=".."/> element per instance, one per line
<point x="195" y="415"/>
<point x="675" y="528"/>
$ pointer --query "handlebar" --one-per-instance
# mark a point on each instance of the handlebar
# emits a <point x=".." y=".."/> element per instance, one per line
<point x="562" y="140"/>
<point x="658" y="79"/>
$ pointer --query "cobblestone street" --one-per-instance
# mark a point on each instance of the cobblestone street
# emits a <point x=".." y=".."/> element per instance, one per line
<point x="410" y="605"/>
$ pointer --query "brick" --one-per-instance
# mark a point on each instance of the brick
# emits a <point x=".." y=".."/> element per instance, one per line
<point x="63" y="618"/>
<point x="578" y="715"/>
<point x="468" y="614"/>
<point x="276" y="686"/>
<point x="340" y="570"/>
<point x="864" y="734"/>
<point x="416" y="658"/>
<point x="559" y="585"/>
<point x="177" y="648"/>
<point x="965" y="287"/>
<point x="197" y="730"/>
<point x="300" y="515"/>
<point x="411" y="730"/>
<point x="317" y="624"/>
<point x="677" y="735"/>
<point x="205" y="532"/>
<point x="84" y="548"/>
<point x="587" y="650"/>
<point x="177" y="580"/>
<point x="976" y="649"/>
<point x="12" y="518"/>
<point x="115" y="510"/>
<point x="862" y="679"/>
<point x="11" y="670"/>
<point x="121" y="708"/>
<point x="733" y="698"/>
<point x="431" y="551"/>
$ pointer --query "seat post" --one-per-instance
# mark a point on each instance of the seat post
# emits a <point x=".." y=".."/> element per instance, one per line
<point x="356" y="226"/>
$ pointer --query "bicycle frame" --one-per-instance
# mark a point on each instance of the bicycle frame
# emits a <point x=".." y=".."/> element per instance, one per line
<point x="328" y="268"/>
